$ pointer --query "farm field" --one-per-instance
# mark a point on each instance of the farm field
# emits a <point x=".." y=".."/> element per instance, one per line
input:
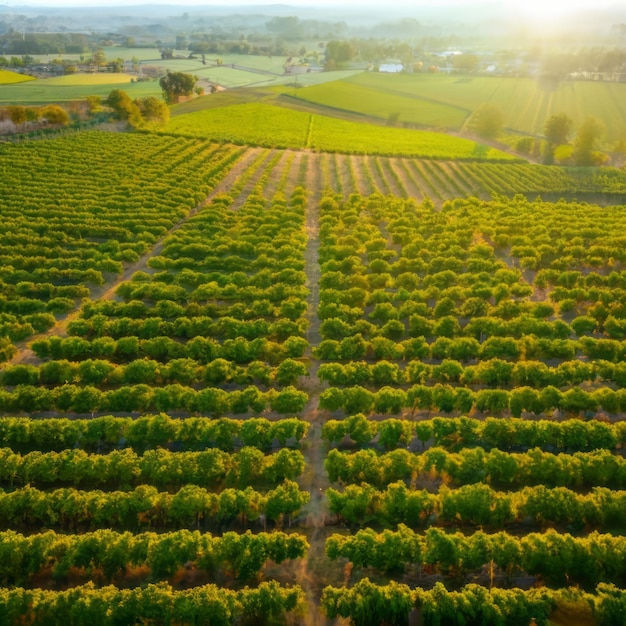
<point x="381" y="102"/>
<point x="450" y="100"/>
<point x="67" y="234"/>
<point x="263" y="124"/>
<point x="62" y="89"/>
<point x="12" y="78"/>
<point x="287" y="386"/>
<point x="89" y="79"/>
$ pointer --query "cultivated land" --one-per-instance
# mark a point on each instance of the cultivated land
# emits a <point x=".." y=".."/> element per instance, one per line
<point x="264" y="124"/>
<point x="12" y="78"/>
<point x="449" y="101"/>
<point x="319" y="373"/>
<point x="61" y="89"/>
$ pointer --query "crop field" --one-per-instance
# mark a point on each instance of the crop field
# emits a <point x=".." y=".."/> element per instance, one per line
<point x="449" y="100"/>
<point x="266" y="125"/>
<point x="246" y="384"/>
<point x="383" y="103"/>
<point x="78" y="88"/>
<point x="101" y="78"/>
<point x="228" y="77"/>
<point x="69" y="228"/>
<point x="12" y="78"/>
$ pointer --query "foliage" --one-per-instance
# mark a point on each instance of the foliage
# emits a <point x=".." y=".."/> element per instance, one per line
<point x="110" y="605"/>
<point x="589" y="134"/>
<point x="558" y="128"/>
<point x="487" y="121"/>
<point x="45" y="181"/>
<point x="177" y="84"/>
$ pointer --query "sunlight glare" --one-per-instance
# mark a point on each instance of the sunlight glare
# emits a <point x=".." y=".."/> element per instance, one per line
<point x="544" y="10"/>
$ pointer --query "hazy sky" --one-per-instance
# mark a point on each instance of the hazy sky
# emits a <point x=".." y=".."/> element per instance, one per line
<point x="532" y="5"/>
<point x="532" y="9"/>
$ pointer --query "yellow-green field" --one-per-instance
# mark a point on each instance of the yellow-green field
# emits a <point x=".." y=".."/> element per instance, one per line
<point x="13" y="78"/>
<point x="76" y="87"/>
<point x="266" y="125"/>
<point x="101" y="78"/>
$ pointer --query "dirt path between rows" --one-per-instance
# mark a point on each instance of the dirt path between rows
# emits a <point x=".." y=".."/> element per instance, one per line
<point x="311" y="576"/>
<point x="107" y="291"/>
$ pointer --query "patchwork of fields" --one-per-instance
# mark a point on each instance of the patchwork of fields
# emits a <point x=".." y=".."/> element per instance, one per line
<point x="448" y="101"/>
<point x="251" y="384"/>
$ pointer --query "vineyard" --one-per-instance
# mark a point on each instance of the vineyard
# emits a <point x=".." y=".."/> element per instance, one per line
<point x="246" y="384"/>
<point x="277" y="127"/>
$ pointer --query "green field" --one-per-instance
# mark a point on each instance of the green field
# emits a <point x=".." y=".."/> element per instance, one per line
<point x="437" y="100"/>
<point x="263" y="124"/>
<point x="74" y="87"/>
<point x="384" y="104"/>
<point x="13" y="78"/>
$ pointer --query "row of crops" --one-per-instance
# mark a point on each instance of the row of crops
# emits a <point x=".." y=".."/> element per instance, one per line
<point x="160" y="516"/>
<point x="71" y="226"/>
<point x="480" y="308"/>
<point x="78" y="209"/>
<point x="411" y="441"/>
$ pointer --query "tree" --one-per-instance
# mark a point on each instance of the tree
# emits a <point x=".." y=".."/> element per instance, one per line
<point x="558" y="128"/>
<point x="18" y="115"/>
<point x="153" y="110"/>
<point x="99" y="58"/>
<point x="121" y="104"/>
<point x="487" y="121"/>
<point x="55" y="114"/>
<point x="177" y="84"/>
<point x="589" y="134"/>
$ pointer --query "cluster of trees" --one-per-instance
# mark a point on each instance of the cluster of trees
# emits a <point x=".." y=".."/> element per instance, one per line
<point x="240" y="555"/>
<point x="477" y="505"/>
<point x="49" y="114"/>
<point x="600" y="468"/>
<point x="456" y="433"/>
<point x="100" y="434"/>
<point x="591" y="131"/>
<point x="138" y="112"/>
<point x="488" y="122"/>
<point x="21" y="43"/>
<point x="145" y="507"/>
<point x="366" y="603"/>
<point x="559" y="559"/>
<point x="208" y="604"/>
<point x="161" y="468"/>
